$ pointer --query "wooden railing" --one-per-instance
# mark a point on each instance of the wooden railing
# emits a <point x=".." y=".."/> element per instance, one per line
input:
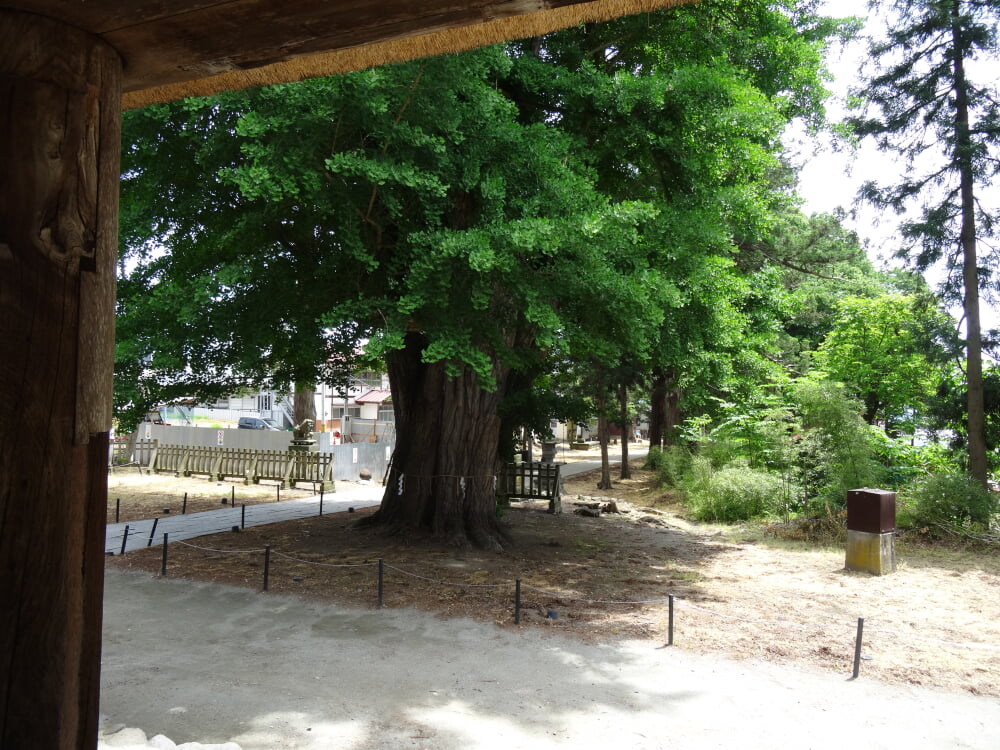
<point x="125" y="453"/>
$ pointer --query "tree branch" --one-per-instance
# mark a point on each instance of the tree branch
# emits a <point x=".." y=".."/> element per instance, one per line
<point x="800" y="269"/>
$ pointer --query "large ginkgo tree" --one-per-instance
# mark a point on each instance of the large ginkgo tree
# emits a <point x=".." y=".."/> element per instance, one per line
<point x="464" y="218"/>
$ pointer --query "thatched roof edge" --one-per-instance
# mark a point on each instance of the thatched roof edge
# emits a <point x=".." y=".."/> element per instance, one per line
<point x="397" y="50"/>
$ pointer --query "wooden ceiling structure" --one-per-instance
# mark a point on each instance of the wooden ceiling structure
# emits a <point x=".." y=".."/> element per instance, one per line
<point x="67" y="68"/>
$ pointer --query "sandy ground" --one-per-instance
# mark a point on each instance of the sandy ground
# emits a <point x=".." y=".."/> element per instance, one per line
<point x="739" y="592"/>
<point x="211" y="663"/>
<point x="765" y="632"/>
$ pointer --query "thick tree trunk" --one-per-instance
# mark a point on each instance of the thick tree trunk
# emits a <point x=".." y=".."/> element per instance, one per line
<point x="59" y="147"/>
<point x="445" y="467"/>
<point x="872" y="406"/>
<point x="657" y="408"/>
<point x="665" y="412"/>
<point x="626" y="469"/>
<point x="674" y="416"/>
<point x="976" y="425"/>
<point x="603" y="438"/>
<point x="304" y="403"/>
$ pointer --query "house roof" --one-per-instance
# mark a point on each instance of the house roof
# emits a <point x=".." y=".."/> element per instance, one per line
<point x="198" y="47"/>
<point x="374" y="396"/>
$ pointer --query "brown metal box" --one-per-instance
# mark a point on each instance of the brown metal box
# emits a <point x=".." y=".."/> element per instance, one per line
<point x="872" y="511"/>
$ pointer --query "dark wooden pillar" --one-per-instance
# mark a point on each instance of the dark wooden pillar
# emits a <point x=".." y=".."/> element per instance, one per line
<point x="60" y="93"/>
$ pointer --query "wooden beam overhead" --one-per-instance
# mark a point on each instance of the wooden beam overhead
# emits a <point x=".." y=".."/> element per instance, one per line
<point x="176" y="48"/>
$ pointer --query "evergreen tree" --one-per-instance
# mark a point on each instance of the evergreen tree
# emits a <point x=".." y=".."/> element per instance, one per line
<point x="923" y="101"/>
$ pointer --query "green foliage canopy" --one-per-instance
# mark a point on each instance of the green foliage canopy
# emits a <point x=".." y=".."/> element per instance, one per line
<point x="891" y="353"/>
<point x="574" y="194"/>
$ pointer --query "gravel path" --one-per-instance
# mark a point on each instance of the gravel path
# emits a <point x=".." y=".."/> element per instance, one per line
<point x="194" y="525"/>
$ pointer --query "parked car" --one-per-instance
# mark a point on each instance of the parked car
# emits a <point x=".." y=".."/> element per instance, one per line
<point x="256" y="423"/>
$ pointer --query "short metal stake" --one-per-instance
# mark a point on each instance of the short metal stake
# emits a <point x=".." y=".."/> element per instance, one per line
<point x="857" y="648"/>
<point x="381" y="579"/>
<point x="517" y="601"/>
<point x="163" y="563"/>
<point x="670" y="619"/>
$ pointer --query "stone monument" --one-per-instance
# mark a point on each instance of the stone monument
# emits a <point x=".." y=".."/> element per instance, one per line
<point x="302" y="437"/>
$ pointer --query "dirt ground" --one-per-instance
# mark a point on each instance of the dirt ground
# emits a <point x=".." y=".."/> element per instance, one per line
<point x="739" y="592"/>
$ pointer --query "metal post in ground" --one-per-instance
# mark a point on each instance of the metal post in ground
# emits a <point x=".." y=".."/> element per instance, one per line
<point x="670" y="619"/>
<point x="152" y="532"/>
<point x="124" y="539"/>
<point x="517" y="601"/>
<point x="118" y="507"/>
<point x="857" y="648"/>
<point x="267" y="564"/>
<point x="381" y="578"/>
<point x="184" y="508"/>
<point x="163" y="563"/>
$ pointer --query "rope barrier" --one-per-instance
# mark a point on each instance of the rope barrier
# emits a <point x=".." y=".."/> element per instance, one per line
<point x="592" y="601"/>
<point x="449" y="476"/>
<point x="783" y="623"/>
<point x="323" y="565"/>
<point x="669" y="599"/>
<point x="448" y="583"/>
<point x="925" y="639"/>
<point x="562" y="596"/>
<point x="210" y="549"/>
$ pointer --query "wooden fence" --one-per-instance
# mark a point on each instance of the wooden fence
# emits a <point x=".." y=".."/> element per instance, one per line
<point x="287" y="467"/>
<point x="128" y="453"/>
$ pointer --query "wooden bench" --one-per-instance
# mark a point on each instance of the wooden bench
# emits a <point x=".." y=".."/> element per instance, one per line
<point x="532" y="480"/>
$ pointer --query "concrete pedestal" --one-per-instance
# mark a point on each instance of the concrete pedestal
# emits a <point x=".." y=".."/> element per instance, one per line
<point x="548" y="452"/>
<point x="871" y="553"/>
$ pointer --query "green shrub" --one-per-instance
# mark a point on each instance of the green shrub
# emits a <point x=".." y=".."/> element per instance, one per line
<point x="721" y="450"/>
<point x="836" y="449"/>
<point x="952" y="499"/>
<point x="654" y="459"/>
<point x="671" y="463"/>
<point x="676" y="465"/>
<point x="737" y="493"/>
